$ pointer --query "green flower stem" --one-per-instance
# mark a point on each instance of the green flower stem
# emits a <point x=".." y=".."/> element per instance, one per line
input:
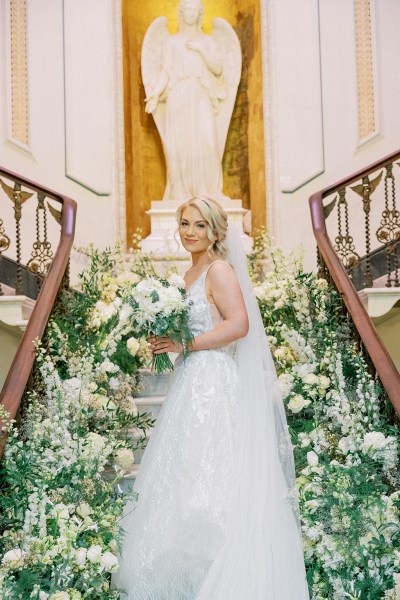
<point x="162" y="363"/>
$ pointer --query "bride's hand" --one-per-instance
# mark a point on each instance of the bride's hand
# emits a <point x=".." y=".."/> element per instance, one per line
<point x="164" y="344"/>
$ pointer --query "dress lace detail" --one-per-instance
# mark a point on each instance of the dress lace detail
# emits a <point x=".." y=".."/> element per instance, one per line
<point x="177" y="528"/>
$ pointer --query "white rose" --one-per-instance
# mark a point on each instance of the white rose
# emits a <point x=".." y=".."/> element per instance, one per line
<point x="14" y="554"/>
<point x="80" y="556"/>
<point x="94" y="442"/>
<point x="312" y="458"/>
<point x="177" y="281"/>
<point x="311" y="506"/>
<point x="304" y="440"/>
<point x="109" y="562"/>
<point x="43" y="595"/>
<point x="322" y="284"/>
<point x="297" y="403"/>
<point x="124" y="458"/>
<point x="94" y="554"/>
<point x="60" y="596"/>
<point x="324" y="382"/>
<point x="280" y="353"/>
<point x="310" y="379"/>
<point x="127" y="277"/>
<point x="83" y="509"/>
<point x="133" y="346"/>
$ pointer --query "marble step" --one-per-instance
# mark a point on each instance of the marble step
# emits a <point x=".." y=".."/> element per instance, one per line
<point x="15" y="310"/>
<point x="154" y="385"/>
<point x="149" y="404"/>
<point x="149" y="400"/>
<point x="380" y="300"/>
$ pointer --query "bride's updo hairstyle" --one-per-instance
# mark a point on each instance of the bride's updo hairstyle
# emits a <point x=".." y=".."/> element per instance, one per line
<point x="217" y="222"/>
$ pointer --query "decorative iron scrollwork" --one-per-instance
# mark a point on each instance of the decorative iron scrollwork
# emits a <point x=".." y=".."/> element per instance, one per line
<point x="42" y="254"/>
<point x="365" y="190"/>
<point x="344" y="243"/>
<point x="4" y="239"/>
<point x="4" y="245"/>
<point x="18" y="197"/>
<point x="389" y="229"/>
<point x="388" y="232"/>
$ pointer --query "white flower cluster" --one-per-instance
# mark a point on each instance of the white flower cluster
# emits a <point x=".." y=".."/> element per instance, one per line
<point x="153" y="300"/>
<point x="76" y="538"/>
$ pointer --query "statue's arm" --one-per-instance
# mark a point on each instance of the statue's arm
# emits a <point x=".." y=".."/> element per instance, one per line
<point x="161" y="84"/>
<point x="212" y="62"/>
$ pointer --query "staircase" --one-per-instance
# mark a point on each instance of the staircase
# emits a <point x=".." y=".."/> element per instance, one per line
<point x="150" y="400"/>
<point x="15" y="311"/>
<point x="31" y="279"/>
<point x="359" y="254"/>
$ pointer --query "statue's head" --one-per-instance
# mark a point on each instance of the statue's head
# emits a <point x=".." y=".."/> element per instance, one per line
<point x="190" y="12"/>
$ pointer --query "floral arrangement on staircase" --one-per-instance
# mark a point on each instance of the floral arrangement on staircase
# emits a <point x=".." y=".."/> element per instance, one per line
<point x="60" y="532"/>
<point x="59" y="498"/>
<point x="346" y="448"/>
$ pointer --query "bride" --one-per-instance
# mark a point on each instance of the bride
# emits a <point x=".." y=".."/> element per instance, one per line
<point x="216" y="517"/>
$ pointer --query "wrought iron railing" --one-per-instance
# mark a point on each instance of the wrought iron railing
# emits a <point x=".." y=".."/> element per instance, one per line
<point x="347" y="252"/>
<point x="46" y="260"/>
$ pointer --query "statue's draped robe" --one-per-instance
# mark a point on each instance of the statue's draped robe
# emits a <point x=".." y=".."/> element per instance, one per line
<point x="191" y="137"/>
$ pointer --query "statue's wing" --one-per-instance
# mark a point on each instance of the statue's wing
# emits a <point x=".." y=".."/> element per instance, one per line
<point x="152" y="52"/>
<point x="229" y="48"/>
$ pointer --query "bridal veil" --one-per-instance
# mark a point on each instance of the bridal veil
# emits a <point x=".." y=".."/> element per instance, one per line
<point x="262" y="558"/>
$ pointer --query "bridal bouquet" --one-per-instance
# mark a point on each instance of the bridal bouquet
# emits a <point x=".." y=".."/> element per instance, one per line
<point x="158" y="307"/>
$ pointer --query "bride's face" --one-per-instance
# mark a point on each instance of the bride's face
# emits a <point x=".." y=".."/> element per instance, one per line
<point x="193" y="230"/>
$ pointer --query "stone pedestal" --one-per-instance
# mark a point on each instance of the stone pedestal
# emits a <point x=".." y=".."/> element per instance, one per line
<point x="163" y="240"/>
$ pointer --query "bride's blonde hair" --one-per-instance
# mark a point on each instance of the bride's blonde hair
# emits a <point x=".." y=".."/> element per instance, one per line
<point x="217" y="222"/>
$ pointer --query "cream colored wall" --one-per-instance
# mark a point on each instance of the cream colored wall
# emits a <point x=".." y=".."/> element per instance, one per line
<point x="75" y="107"/>
<point x="10" y="338"/>
<point x="312" y="114"/>
<point x="388" y="328"/>
<point x="74" y="111"/>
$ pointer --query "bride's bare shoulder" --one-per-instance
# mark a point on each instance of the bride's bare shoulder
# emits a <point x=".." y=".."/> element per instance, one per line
<point x="221" y="273"/>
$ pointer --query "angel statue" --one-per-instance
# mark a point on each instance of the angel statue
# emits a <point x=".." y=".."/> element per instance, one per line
<point x="191" y="80"/>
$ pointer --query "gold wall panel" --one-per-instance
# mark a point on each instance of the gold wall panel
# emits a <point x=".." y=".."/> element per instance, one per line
<point x="19" y="72"/>
<point x="365" y="69"/>
<point x="243" y="163"/>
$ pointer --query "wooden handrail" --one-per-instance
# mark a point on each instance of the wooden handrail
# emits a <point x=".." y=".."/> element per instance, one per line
<point x="376" y="350"/>
<point x="22" y="364"/>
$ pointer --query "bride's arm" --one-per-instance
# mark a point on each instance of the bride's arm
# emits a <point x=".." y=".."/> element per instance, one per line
<point x="225" y="290"/>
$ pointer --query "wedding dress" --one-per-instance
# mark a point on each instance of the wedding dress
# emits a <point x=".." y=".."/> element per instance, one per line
<point x="216" y="516"/>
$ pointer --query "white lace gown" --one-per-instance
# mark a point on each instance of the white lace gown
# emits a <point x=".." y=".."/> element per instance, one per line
<point x="186" y="484"/>
<point x="184" y="481"/>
